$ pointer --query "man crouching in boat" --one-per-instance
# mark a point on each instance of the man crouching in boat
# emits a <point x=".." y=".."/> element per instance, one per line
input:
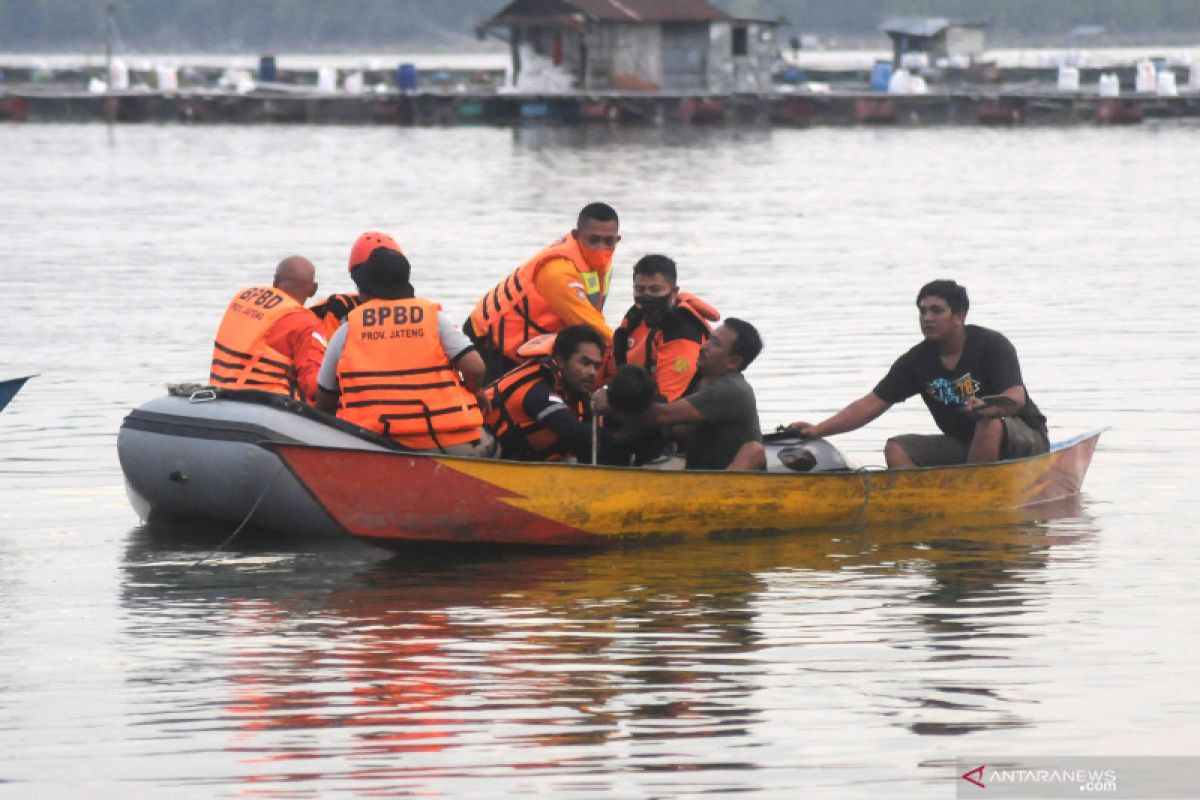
<point x="717" y="422"/>
<point x="268" y="340"/>
<point x="332" y="311"/>
<point x="970" y="379"/>
<point x="399" y="368"/>
<point x="663" y="331"/>
<point x="540" y="410"/>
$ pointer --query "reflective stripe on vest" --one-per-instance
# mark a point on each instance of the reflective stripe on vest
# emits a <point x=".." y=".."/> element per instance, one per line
<point x="395" y="378"/>
<point x="513" y="311"/>
<point x="520" y="435"/>
<point x="241" y="357"/>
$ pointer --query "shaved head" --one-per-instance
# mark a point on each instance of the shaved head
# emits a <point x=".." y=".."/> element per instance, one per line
<point x="296" y="276"/>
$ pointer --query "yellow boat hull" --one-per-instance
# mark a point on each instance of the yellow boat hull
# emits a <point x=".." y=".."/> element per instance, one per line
<point x="396" y="497"/>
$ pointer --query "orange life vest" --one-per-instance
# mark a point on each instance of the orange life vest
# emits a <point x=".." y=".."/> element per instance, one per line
<point x="395" y="378"/>
<point x="514" y="311"/>
<point x="333" y="310"/>
<point x="241" y="357"/>
<point x="645" y="350"/>
<point x="520" y="435"/>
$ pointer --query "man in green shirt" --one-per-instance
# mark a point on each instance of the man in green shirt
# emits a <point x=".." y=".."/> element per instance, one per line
<point x="718" y="422"/>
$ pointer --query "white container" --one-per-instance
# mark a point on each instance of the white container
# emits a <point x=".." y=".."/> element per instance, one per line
<point x="1166" y="84"/>
<point x="118" y="75"/>
<point x="899" y="82"/>
<point x="916" y="85"/>
<point x="1068" y="79"/>
<point x="1147" y="77"/>
<point x="166" y="78"/>
<point x="326" y="79"/>
<point x="1110" y="85"/>
<point x="97" y="86"/>
<point x="353" y="83"/>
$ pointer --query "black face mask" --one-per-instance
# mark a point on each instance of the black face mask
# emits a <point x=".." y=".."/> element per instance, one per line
<point x="653" y="305"/>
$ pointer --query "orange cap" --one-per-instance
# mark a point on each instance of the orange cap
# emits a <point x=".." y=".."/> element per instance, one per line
<point x="367" y="243"/>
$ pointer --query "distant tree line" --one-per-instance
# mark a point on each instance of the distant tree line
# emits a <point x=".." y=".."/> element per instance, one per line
<point x="314" y="25"/>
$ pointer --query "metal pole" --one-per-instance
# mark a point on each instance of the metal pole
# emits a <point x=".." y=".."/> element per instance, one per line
<point x="109" y="31"/>
<point x="595" y="435"/>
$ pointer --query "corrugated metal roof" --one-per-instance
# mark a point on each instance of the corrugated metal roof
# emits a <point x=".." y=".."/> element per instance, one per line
<point x="924" y="26"/>
<point x="614" y="10"/>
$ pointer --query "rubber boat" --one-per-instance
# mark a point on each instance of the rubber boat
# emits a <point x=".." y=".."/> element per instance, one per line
<point x="392" y="498"/>
<point x="195" y="454"/>
<point x="9" y="389"/>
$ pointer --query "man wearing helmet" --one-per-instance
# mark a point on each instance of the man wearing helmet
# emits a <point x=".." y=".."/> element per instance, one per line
<point x="267" y="340"/>
<point x="397" y="367"/>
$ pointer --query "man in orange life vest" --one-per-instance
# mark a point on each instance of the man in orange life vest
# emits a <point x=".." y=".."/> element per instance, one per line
<point x="718" y="421"/>
<point x="663" y="331"/>
<point x="397" y="366"/>
<point x="564" y="284"/>
<point x="268" y="340"/>
<point x="540" y="410"/>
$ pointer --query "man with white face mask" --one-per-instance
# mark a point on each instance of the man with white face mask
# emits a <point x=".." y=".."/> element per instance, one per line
<point x="564" y="284"/>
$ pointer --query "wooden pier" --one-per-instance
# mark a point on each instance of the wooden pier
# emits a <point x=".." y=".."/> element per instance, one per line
<point x="958" y="106"/>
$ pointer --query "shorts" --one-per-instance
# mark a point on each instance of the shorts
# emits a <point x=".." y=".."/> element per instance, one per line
<point x="938" y="450"/>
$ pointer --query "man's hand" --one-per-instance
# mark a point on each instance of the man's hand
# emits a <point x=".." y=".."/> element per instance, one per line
<point x="806" y="430"/>
<point x="600" y="400"/>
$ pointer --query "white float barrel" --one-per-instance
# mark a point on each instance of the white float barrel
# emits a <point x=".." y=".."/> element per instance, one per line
<point x="167" y="78"/>
<point x="1068" y="79"/>
<point x="1110" y="85"/>
<point x="326" y="79"/>
<point x="353" y="83"/>
<point x="898" y="83"/>
<point x="1147" y="77"/>
<point x="118" y="75"/>
<point x="1166" y="84"/>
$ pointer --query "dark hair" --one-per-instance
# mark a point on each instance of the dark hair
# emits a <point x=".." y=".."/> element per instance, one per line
<point x="656" y="265"/>
<point x="748" y="343"/>
<point x="601" y="212"/>
<point x="384" y="274"/>
<point x="631" y="390"/>
<point x="951" y="292"/>
<point x="569" y="339"/>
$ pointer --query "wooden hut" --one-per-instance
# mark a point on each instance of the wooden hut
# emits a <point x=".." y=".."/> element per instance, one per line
<point x="937" y="37"/>
<point x="641" y="45"/>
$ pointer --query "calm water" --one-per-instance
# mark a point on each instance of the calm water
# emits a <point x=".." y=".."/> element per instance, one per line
<point x="843" y="664"/>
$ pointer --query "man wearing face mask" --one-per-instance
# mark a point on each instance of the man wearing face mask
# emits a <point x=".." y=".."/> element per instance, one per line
<point x="564" y="284"/>
<point x="663" y="331"/>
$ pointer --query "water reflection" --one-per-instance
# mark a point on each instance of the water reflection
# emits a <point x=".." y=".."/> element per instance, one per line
<point x="409" y="671"/>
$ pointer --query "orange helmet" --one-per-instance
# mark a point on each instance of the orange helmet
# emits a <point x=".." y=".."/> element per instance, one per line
<point x="367" y="244"/>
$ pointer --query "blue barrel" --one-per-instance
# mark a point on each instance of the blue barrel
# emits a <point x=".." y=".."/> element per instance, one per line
<point x="266" y="69"/>
<point x="881" y="75"/>
<point x="406" y="77"/>
<point x="1160" y="64"/>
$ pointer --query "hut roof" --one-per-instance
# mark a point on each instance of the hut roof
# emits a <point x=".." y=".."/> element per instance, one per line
<point x="564" y="11"/>
<point x="923" y="27"/>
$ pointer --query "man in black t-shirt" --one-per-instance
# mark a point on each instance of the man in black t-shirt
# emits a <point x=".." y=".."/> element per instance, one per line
<point x="970" y="380"/>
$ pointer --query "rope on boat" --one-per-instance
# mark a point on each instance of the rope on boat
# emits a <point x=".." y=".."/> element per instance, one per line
<point x="244" y="522"/>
